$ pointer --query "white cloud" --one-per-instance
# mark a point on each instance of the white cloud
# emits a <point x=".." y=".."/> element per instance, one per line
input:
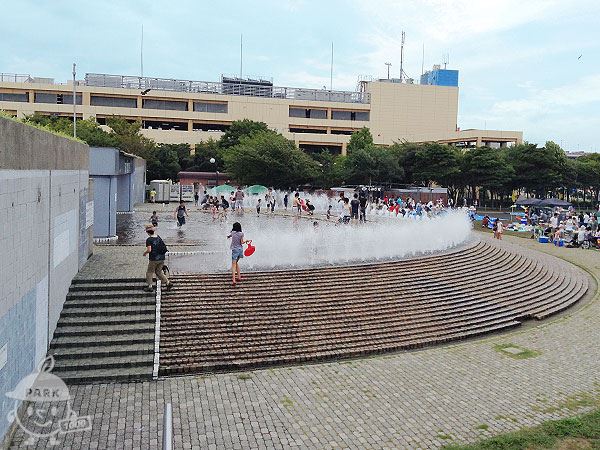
<point x="581" y="92"/>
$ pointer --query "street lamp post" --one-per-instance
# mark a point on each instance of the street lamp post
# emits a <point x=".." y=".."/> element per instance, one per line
<point x="214" y="161"/>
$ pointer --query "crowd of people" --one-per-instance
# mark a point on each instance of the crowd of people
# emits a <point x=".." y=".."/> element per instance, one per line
<point x="567" y="226"/>
<point x="350" y="208"/>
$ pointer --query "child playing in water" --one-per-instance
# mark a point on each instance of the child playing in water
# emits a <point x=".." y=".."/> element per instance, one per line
<point x="258" y="207"/>
<point x="154" y="219"/>
<point x="237" y="251"/>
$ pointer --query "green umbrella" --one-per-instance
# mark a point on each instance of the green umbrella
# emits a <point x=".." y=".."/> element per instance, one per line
<point x="221" y="189"/>
<point x="255" y="189"/>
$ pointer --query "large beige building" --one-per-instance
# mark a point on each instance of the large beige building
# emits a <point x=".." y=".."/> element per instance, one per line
<point x="178" y="111"/>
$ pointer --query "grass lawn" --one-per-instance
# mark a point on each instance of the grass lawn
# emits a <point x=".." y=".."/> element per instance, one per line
<point x="581" y="432"/>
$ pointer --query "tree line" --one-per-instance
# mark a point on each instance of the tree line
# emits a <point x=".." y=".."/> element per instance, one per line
<point x="251" y="153"/>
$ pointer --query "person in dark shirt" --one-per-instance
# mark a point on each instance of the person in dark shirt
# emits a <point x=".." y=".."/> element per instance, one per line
<point x="180" y="213"/>
<point x="362" y="200"/>
<point x="156" y="259"/>
<point x="354" y="205"/>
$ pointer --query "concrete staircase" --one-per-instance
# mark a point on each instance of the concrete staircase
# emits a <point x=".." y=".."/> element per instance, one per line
<point x="105" y="332"/>
<point x="291" y="317"/>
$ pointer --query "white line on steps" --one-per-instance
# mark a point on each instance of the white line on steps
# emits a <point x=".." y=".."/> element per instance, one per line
<point x="157" y="331"/>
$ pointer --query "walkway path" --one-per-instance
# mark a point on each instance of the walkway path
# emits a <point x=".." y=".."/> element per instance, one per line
<point x="411" y="400"/>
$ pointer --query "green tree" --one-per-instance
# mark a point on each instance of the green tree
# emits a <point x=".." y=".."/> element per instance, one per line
<point x="239" y="129"/>
<point x="487" y="168"/>
<point x="361" y="139"/>
<point x="203" y="153"/>
<point x="266" y="157"/>
<point x="538" y="170"/>
<point x="588" y="174"/>
<point x="372" y="165"/>
<point x="184" y="157"/>
<point x="329" y="171"/>
<point x="436" y="163"/>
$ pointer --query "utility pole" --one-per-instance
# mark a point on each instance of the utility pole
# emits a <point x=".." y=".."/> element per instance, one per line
<point x="74" y="103"/>
<point x="388" y="67"/>
<point x="331" y="70"/>
<point x="241" y="53"/>
<point x="142" y="54"/>
<point x="402" y="57"/>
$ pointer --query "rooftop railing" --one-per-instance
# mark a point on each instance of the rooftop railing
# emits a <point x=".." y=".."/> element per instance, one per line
<point x="224" y="88"/>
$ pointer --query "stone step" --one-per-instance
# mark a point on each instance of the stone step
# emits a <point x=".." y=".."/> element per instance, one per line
<point x="106" y="376"/>
<point x="122" y="310"/>
<point x="105" y="330"/>
<point x="108" y="319"/>
<point x="78" y="281"/>
<point x="116" y="340"/>
<point x="85" y="295"/>
<point x="197" y="366"/>
<point x="109" y="362"/>
<point x="101" y="287"/>
<point x="99" y="351"/>
<point x="109" y="302"/>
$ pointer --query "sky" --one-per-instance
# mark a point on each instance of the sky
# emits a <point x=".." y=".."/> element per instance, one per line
<point x="527" y="65"/>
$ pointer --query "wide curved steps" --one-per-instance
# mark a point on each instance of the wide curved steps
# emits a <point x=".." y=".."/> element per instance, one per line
<point x="320" y="314"/>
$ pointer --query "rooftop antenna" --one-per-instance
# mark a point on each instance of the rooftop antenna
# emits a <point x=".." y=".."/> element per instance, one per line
<point x="241" y="53"/>
<point x="402" y="57"/>
<point x="388" y="67"/>
<point x="142" y="54"/>
<point x="331" y="70"/>
<point x="423" y="60"/>
<point x="446" y="59"/>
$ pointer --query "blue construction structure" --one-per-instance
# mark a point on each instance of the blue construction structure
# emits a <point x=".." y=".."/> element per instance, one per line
<point x="440" y="77"/>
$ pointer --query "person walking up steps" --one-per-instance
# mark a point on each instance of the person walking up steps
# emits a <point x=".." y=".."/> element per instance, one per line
<point x="237" y="251"/>
<point x="156" y="250"/>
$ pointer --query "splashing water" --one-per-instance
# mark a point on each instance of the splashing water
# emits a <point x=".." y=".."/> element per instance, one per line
<point x="298" y="243"/>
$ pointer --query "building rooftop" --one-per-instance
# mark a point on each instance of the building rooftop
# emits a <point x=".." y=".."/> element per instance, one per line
<point x="227" y="86"/>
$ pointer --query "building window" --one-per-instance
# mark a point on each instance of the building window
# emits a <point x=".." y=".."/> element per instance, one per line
<point x="341" y="115"/>
<point x="170" y="105"/>
<point x="164" y="125"/>
<point x="212" y="127"/>
<point x="57" y="99"/>
<point x="114" y="102"/>
<point x="318" y="148"/>
<point x="350" y="115"/>
<point x="308" y="130"/>
<point x="209" y="107"/>
<point x="8" y="97"/>
<point x="346" y="132"/>
<point x="361" y="115"/>
<point x="308" y="113"/>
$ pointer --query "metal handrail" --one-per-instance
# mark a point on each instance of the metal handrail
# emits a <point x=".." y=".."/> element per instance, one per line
<point x="227" y="88"/>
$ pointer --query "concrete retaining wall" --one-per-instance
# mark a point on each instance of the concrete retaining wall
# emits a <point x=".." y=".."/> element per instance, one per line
<point x="45" y="240"/>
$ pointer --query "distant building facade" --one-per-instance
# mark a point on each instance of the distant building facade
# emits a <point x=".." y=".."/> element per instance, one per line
<point x="181" y="111"/>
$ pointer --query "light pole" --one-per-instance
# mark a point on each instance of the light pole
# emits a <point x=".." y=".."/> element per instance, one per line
<point x="388" y="67"/>
<point x="214" y="161"/>
<point x="74" y="103"/>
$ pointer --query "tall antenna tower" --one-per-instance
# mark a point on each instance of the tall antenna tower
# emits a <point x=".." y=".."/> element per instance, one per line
<point x="402" y="57"/>
<point x="142" y="53"/>
<point x="423" y="60"/>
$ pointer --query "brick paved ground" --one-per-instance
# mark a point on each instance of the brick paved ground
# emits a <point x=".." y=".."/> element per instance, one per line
<point x="420" y="399"/>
